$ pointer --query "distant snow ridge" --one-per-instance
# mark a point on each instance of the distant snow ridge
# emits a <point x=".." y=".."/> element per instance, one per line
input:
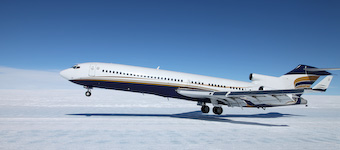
<point x="11" y="78"/>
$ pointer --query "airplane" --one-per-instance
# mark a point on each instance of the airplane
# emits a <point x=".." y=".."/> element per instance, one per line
<point x="263" y="91"/>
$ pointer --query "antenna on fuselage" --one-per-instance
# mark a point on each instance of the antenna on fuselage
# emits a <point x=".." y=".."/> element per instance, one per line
<point x="158" y="67"/>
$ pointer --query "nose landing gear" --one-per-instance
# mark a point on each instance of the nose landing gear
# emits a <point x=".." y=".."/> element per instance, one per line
<point x="88" y="92"/>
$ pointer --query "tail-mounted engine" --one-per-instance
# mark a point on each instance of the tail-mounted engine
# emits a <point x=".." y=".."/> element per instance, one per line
<point x="264" y="82"/>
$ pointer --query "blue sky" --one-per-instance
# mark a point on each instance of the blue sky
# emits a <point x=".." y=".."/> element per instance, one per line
<point x="228" y="39"/>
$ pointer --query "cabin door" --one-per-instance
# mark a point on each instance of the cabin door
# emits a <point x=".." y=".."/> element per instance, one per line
<point x="92" y="71"/>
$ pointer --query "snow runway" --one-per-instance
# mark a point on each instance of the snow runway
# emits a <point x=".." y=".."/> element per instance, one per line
<point x="66" y="119"/>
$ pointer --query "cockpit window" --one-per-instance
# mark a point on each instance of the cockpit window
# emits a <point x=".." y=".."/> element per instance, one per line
<point x="76" y="67"/>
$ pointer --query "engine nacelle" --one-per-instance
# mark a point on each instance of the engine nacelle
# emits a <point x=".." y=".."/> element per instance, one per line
<point x="260" y="77"/>
<point x="264" y="81"/>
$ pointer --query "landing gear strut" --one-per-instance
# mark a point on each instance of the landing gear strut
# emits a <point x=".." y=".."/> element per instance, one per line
<point x="88" y="92"/>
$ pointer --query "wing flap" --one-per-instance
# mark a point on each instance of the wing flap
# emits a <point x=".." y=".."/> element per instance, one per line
<point x="259" y="93"/>
<point x="265" y="98"/>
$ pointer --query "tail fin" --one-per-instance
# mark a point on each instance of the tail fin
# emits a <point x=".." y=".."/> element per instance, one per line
<point x="304" y="69"/>
<point x="304" y="76"/>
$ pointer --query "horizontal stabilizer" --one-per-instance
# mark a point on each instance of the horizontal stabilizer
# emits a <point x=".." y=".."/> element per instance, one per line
<point x="320" y="69"/>
<point x="304" y="69"/>
<point x="323" y="84"/>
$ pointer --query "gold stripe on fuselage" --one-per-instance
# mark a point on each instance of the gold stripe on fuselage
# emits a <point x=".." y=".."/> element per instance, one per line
<point x="306" y="78"/>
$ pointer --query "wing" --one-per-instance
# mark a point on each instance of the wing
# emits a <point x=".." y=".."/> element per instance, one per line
<point x="264" y="98"/>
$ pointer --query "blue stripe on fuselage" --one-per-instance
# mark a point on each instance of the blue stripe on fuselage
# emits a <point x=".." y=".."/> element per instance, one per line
<point x="165" y="91"/>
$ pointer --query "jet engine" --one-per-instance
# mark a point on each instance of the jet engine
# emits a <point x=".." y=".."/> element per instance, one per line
<point x="265" y="82"/>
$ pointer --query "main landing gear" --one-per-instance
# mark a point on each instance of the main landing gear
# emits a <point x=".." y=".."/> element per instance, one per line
<point x="88" y="92"/>
<point x="217" y="110"/>
<point x="205" y="109"/>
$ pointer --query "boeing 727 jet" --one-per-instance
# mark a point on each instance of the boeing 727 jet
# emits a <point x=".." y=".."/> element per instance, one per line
<point x="263" y="91"/>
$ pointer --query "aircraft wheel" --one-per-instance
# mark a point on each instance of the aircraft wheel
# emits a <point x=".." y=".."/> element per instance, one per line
<point x="205" y="109"/>
<point x="217" y="110"/>
<point x="88" y="93"/>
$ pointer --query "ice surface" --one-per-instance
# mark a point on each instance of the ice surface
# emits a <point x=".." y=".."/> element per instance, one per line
<point x="66" y="119"/>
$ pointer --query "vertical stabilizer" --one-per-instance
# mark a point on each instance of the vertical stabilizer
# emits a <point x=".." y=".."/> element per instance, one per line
<point x="304" y="76"/>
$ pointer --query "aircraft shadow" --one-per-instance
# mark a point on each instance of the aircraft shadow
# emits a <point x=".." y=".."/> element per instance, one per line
<point x="198" y="115"/>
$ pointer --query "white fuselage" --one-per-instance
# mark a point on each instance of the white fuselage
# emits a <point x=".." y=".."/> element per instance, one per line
<point x="264" y="91"/>
<point x="148" y="80"/>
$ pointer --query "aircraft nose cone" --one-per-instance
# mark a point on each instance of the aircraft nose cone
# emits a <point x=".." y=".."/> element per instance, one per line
<point x="66" y="74"/>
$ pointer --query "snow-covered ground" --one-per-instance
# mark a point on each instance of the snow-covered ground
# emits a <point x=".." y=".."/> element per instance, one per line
<point x="66" y="119"/>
